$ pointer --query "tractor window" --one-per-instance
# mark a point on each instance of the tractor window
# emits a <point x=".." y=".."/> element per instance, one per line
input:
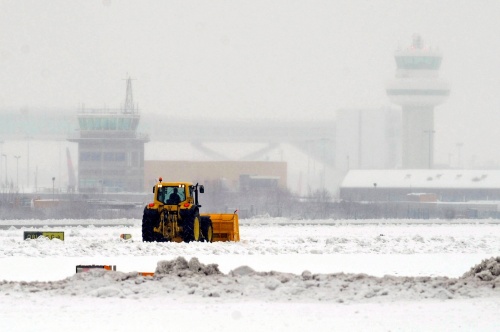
<point x="171" y="195"/>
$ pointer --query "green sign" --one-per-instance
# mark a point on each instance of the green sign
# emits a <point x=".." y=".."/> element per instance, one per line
<point x="50" y="235"/>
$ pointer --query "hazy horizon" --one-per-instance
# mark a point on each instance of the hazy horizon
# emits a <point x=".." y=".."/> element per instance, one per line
<point x="251" y="60"/>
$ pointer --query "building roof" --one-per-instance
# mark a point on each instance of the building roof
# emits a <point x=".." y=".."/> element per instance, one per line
<point x="428" y="178"/>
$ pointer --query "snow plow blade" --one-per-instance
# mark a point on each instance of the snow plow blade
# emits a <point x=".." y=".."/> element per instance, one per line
<point x="225" y="226"/>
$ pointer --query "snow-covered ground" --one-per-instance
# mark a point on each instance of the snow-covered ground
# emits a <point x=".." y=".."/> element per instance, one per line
<point x="283" y="275"/>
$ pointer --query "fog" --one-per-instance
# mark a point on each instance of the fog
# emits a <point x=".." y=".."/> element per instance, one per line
<point x="251" y="60"/>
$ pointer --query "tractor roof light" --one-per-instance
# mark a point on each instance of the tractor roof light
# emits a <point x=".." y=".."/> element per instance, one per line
<point x="160" y="179"/>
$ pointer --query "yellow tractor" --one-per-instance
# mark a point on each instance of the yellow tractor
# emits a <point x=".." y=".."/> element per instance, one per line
<point x="174" y="216"/>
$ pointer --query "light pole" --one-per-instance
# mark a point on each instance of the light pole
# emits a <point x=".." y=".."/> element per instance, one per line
<point x="53" y="179"/>
<point x="459" y="147"/>
<point x="5" y="156"/>
<point x="28" y="162"/>
<point x="1" y="143"/>
<point x="17" y="170"/>
<point x="430" y="132"/>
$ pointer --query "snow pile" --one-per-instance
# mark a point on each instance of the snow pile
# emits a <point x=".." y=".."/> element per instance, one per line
<point x="179" y="278"/>
<point x="488" y="270"/>
<point x="182" y="268"/>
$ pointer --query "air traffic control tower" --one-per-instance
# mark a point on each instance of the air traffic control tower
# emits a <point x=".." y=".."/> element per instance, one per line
<point x="110" y="151"/>
<point x="418" y="89"/>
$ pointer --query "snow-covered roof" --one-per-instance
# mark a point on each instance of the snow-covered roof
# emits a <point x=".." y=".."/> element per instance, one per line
<point x="423" y="178"/>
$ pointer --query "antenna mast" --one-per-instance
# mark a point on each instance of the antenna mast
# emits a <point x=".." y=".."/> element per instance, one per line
<point x="129" y="108"/>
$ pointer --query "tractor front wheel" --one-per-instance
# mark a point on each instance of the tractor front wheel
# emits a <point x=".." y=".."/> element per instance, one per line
<point x="150" y="219"/>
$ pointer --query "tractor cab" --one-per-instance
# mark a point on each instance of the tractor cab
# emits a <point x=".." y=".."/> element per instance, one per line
<point x="175" y="193"/>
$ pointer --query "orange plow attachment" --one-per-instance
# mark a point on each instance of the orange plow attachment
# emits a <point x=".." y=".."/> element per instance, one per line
<point x="225" y="226"/>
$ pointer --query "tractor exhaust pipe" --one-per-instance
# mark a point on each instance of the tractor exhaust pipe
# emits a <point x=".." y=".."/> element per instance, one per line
<point x="201" y="191"/>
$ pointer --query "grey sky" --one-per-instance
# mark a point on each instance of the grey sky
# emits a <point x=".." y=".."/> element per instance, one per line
<point x="252" y="59"/>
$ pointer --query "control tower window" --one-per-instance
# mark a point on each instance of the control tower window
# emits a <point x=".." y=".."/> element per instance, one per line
<point x="418" y="62"/>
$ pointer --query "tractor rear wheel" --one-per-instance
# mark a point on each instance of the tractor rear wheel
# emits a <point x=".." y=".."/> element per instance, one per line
<point x="207" y="231"/>
<point x="191" y="229"/>
<point x="150" y="219"/>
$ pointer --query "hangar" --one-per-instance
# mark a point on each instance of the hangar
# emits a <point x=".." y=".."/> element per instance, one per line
<point x="421" y="193"/>
<point x="456" y="185"/>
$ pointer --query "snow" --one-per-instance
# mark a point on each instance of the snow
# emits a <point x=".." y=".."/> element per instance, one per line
<point x="289" y="275"/>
